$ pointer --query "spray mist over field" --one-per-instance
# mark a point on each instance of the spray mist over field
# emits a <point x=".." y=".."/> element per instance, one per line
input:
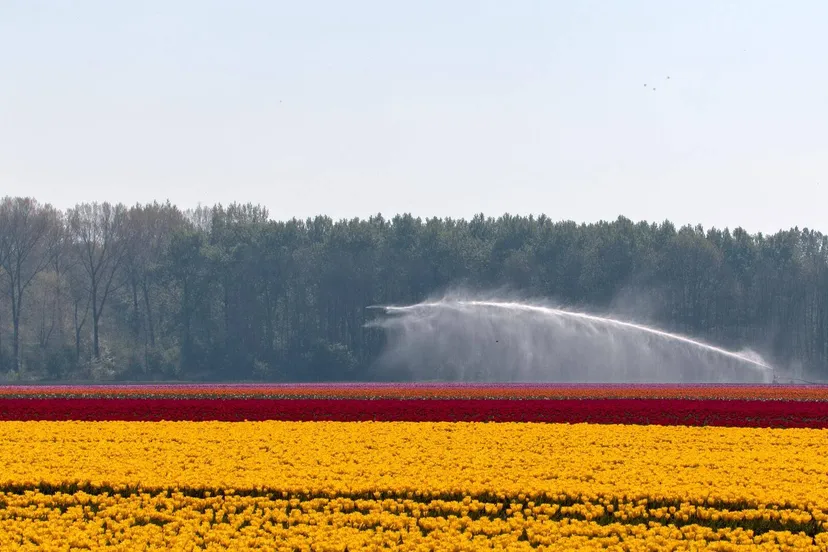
<point x="477" y="338"/>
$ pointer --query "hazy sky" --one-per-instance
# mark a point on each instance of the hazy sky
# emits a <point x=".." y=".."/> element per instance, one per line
<point x="443" y="108"/>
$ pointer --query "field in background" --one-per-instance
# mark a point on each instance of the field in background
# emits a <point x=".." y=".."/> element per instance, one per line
<point x="385" y="465"/>
<point x="429" y="391"/>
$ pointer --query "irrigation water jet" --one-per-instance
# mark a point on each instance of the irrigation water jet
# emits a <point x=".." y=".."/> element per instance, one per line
<point x="490" y="340"/>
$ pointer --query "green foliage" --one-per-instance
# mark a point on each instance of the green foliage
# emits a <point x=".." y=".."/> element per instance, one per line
<point x="59" y="362"/>
<point x="329" y="361"/>
<point x="226" y="293"/>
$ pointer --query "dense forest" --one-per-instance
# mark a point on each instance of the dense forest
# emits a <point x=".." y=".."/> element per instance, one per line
<point x="109" y="292"/>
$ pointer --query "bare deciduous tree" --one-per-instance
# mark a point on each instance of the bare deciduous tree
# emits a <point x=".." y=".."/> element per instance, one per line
<point x="150" y="228"/>
<point x="28" y="242"/>
<point x="80" y="297"/>
<point x="55" y="276"/>
<point x="98" y="231"/>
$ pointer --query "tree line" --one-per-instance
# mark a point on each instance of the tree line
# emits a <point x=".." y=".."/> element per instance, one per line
<point x="109" y="292"/>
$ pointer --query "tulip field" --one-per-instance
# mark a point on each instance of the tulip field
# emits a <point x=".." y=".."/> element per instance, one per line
<point x="414" y="467"/>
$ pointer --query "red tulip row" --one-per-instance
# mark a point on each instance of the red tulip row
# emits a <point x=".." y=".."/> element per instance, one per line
<point x="742" y="413"/>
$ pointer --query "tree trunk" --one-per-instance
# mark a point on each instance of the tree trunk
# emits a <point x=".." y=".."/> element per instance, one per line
<point x="136" y="322"/>
<point x="16" y="348"/>
<point x="17" y="301"/>
<point x="150" y="329"/>
<point x="96" y="351"/>
<point x="268" y="320"/>
<point x="77" y="332"/>
<point x="59" y="308"/>
<point x="186" y="342"/>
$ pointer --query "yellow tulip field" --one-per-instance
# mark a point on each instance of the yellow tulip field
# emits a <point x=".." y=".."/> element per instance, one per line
<point x="409" y="485"/>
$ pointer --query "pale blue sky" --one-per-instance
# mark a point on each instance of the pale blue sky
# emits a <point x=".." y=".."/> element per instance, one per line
<point x="443" y="108"/>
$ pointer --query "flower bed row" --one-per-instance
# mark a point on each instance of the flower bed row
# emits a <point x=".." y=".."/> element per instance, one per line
<point x="133" y="483"/>
<point x="176" y="521"/>
<point x="325" y="486"/>
<point x="651" y="467"/>
<point x="429" y="391"/>
<point x="741" y="413"/>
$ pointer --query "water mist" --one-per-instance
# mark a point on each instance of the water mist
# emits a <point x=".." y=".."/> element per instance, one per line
<point x="473" y="339"/>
